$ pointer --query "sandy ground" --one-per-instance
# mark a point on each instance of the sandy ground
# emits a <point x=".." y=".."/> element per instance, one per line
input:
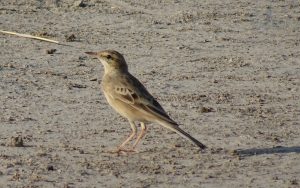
<point x="239" y="59"/>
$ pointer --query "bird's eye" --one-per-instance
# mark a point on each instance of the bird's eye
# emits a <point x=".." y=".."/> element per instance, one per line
<point x="108" y="56"/>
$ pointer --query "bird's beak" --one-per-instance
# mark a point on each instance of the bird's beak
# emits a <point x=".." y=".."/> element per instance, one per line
<point x="92" y="53"/>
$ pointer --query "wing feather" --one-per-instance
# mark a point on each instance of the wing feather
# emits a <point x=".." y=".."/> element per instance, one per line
<point x="132" y="92"/>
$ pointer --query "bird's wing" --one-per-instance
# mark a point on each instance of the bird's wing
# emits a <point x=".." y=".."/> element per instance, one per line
<point x="132" y="92"/>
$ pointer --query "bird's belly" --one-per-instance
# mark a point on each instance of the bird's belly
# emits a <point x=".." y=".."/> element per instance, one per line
<point x="126" y="110"/>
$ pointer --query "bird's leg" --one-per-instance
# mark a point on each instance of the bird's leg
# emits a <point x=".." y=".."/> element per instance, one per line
<point x="133" y="133"/>
<point x="141" y="135"/>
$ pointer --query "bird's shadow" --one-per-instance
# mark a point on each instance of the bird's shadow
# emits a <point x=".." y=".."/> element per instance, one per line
<point x="261" y="151"/>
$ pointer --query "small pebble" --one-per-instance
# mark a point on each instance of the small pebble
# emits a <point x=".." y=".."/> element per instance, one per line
<point x="206" y="109"/>
<point x="50" y="51"/>
<point x="79" y="3"/>
<point x="70" y="38"/>
<point x="50" y="168"/>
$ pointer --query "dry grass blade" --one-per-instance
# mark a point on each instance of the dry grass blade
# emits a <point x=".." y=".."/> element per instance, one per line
<point x="29" y="36"/>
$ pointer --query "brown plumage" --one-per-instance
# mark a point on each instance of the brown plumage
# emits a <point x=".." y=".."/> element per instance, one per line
<point x="131" y="99"/>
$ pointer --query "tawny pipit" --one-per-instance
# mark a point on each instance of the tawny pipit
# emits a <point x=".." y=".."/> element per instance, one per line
<point x="131" y="99"/>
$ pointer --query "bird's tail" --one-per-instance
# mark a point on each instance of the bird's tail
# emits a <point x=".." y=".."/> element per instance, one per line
<point x="175" y="128"/>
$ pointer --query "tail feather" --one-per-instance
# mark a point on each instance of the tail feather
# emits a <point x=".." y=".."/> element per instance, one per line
<point x="175" y="128"/>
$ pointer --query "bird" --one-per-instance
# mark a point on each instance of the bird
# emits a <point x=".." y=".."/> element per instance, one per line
<point x="129" y="97"/>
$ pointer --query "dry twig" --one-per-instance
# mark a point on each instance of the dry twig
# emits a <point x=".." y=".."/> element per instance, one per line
<point x="29" y="36"/>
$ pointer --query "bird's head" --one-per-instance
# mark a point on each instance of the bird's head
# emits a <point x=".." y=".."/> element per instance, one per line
<point x="111" y="60"/>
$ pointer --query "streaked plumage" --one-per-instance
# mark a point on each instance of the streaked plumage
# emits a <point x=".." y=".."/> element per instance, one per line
<point x="131" y="99"/>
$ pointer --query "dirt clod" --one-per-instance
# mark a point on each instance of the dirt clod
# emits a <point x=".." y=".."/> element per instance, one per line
<point x="16" y="141"/>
